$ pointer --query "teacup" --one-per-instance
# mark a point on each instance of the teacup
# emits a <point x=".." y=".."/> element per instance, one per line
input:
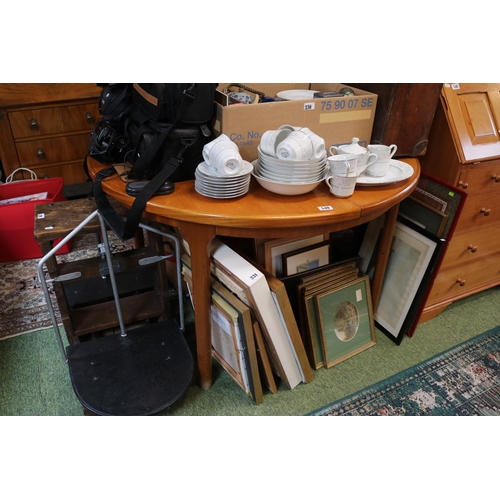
<point x="384" y="154"/>
<point x="342" y="164"/>
<point x="225" y="159"/>
<point x="208" y="147"/>
<point x="270" y="140"/>
<point x="342" y="186"/>
<point x="297" y="146"/>
<point x="365" y="157"/>
<point x="317" y="142"/>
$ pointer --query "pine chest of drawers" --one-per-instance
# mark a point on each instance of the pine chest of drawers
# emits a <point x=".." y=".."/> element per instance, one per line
<point x="46" y="127"/>
<point x="464" y="150"/>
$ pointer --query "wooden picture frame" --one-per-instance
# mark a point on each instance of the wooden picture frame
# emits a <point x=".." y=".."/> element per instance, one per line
<point x="274" y="249"/>
<point x="425" y="216"/>
<point x="443" y="197"/>
<point x="307" y="258"/>
<point x="243" y="332"/>
<point x="346" y="320"/>
<point x="414" y="253"/>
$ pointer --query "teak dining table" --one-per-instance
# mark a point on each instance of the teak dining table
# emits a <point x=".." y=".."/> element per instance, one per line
<point x="263" y="214"/>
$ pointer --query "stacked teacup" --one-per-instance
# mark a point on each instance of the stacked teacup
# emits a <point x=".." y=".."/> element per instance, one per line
<point x="224" y="173"/>
<point x="293" y="155"/>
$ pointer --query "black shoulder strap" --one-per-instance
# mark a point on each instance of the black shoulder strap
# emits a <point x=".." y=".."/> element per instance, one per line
<point x="126" y="228"/>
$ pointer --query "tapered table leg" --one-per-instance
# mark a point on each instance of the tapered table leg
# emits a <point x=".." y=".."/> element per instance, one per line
<point x="198" y="238"/>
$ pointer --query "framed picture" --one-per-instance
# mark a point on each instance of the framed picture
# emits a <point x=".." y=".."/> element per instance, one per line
<point x="411" y="260"/>
<point x="305" y="259"/>
<point x="274" y="249"/>
<point x="443" y="198"/>
<point x="346" y="321"/>
<point x="425" y="216"/>
<point x="233" y="342"/>
<point x="369" y="246"/>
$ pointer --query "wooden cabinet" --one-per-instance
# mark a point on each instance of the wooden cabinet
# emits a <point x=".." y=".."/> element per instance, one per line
<point x="464" y="150"/>
<point x="46" y="128"/>
<point x="404" y="114"/>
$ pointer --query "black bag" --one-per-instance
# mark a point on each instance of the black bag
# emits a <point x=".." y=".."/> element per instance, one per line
<point x="164" y="126"/>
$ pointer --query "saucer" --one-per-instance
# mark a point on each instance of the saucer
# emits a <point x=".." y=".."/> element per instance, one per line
<point x="398" y="171"/>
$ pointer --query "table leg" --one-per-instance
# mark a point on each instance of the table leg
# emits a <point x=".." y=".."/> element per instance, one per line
<point x="199" y="238"/>
<point x="386" y="236"/>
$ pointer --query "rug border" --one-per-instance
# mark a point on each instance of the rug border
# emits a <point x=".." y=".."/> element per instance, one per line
<point x="402" y="374"/>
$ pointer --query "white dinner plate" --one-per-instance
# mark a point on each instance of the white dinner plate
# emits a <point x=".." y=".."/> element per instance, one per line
<point x="398" y="171"/>
<point x="296" y="95"/>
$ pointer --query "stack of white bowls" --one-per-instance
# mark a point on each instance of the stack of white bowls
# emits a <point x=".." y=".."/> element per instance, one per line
<point x="292" y="160"/>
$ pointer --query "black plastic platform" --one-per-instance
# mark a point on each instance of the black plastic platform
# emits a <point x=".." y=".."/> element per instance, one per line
<point x="139" y="374"/>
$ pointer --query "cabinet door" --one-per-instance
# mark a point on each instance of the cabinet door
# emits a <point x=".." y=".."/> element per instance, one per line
<point x="474" y="116"/>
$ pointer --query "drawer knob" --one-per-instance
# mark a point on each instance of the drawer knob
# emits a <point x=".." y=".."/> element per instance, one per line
<point x="89" y="117"/>
<point x="40" y="153"/>
<point x="33" y="124"/>
<point x="495" y="177"/>
<point x="485" y="211"/>
<point x="472" y="248"/>
<point x="463" y="185"/>
<point x="461" y="282"/>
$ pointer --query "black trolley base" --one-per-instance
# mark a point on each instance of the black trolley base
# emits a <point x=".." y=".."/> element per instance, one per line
<point x="139" y="374"/>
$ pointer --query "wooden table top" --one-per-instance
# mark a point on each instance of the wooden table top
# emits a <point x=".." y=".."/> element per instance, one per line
<point x="260" y="208"/>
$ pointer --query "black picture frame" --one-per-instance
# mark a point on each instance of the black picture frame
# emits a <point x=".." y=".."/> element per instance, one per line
<point x="401" y="299"/>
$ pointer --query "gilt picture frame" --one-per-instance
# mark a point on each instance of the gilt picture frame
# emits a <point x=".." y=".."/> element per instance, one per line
<point x="346" y="321"/>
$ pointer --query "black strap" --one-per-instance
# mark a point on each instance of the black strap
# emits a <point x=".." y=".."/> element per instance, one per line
<point x="125" y="229"/>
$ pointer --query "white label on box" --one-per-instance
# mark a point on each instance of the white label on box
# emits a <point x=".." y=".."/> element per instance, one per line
<point x="325" y="207"/>
<point x="359" y="295"/>
<point x="308" y="106"/>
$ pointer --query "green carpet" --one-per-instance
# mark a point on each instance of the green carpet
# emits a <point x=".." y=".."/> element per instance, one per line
<point x="35" y="381"/>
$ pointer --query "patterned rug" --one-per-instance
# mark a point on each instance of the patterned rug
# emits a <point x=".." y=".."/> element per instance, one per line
<point x="464" y="380"/>
<point x="22" y="303"/>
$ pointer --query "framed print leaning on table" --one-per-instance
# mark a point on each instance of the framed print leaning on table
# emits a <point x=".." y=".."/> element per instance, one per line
<point x="412" y="259"/>
<point x="345" y="320"/>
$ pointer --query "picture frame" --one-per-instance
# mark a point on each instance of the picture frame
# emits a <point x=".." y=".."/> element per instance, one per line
<point x="425" y="216"/>
<point x="346" y="320"/>
<point x="413" y="256"/>
<point x="369" y="246"/>
<point x="443" y="197"/>
<point x="240" y="325"/>
<point x="310" y="320"/>
<point x="275" y="248"/>
<point x="306" y="258"/>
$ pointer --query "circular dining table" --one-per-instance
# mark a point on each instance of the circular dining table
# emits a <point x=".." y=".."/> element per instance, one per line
<point x="263" y="214"/>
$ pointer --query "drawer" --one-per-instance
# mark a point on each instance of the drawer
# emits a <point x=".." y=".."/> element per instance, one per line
<point x="60" y="149"/>
<point x="482" y="273"/>
<point x="479" y="211"/>
<point x="72" y="173"/>
<point x="53" y="121"/>
<point x="469" y="246"/>
<point x="476" y="179"/>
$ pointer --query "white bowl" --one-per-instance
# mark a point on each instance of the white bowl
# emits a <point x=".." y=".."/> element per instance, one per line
<point x="286" y="188"/>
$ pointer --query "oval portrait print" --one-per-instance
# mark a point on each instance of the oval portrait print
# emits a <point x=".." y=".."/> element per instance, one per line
<point x="346" y="321"/>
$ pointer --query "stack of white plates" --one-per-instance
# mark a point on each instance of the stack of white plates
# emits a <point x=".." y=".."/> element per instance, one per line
<point x="209" y="182"/>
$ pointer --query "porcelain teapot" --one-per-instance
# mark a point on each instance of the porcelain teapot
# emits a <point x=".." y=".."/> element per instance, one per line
<point x="365" y="157"/>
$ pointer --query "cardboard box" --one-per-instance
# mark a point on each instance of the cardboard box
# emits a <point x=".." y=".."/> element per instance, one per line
<point x="337" y="120"/>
